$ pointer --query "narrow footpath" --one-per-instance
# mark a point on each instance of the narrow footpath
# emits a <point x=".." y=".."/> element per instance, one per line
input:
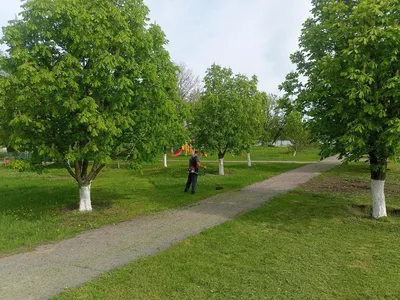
<point x="51" y="268"/>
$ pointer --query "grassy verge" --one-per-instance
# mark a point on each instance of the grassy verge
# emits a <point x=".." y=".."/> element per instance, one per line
<point x="261" y="153"/>
<point x="317" y="242"/>
<point x="40" y="208"/>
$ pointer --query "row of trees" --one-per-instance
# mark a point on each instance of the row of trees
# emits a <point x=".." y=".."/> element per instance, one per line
<point x="84" y="82"/>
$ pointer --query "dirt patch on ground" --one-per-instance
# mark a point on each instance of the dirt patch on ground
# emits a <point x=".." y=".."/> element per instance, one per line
<point x="343" y="185"/>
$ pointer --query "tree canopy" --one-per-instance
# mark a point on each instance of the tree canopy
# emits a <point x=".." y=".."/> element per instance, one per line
<point x="188" y="84"/>
<point x="296" y="131"/>
<point x="88" y="80"/>
<point x="228" y="115"/>
<point x="274" y="118"/>
<point x="349" y="60"/>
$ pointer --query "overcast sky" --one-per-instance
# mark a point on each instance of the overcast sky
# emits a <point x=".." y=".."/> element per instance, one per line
<point x="250" y="36"/>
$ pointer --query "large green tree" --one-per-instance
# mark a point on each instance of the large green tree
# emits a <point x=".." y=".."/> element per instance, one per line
<point x="348" y="65"/>
<point x="228" y="115"/>
<point x="88" y="80"/>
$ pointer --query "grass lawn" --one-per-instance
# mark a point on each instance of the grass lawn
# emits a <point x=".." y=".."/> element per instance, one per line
<point x="317" y="242"/>
<point x="261" y="153"/>
<point x="40" y="208"/>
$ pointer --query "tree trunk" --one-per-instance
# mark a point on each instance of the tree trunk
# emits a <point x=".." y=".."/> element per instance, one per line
<point x="248" y="159"/>
<point x="295" y="153"/>
<point x="84" y="179"/>
<point x="84" y="195"/>
<point x="378" y="198"/>
<point x="165" y="160"/>
<point x="378" y="177"/>
<point x="221" y="166"/>
<point x="221" y="155"/>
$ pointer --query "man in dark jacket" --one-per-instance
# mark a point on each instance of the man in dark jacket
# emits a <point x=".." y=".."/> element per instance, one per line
<point x="194" y="165"/>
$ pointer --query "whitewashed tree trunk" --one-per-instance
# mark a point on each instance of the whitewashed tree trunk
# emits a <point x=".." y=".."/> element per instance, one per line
<point x="248" y="159"/>
<point x="85" y="202"/>
<point x="378" y="198"/>
<point x="165" y="160"/>
<point x="295" y="153"/>
<point x="221" y="166"/>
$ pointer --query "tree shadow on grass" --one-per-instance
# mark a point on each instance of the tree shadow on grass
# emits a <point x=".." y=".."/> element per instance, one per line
<point x="33" y="202"/>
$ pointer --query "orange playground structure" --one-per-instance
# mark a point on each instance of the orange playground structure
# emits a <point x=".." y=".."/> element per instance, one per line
<point x="188" y="150"/>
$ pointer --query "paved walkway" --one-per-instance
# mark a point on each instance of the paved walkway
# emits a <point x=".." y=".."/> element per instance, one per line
<point x="69" y="263"/>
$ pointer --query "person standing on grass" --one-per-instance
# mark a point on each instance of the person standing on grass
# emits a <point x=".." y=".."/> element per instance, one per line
<point x="194" y="165"/>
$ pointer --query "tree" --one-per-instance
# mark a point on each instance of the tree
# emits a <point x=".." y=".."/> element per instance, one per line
<point x="88" y="80"/>
<point x="296" y="132"/>
<point x="274" y="119"/>
<point x="228" y="115"/>
<point x="188" y="84"/>
<point x="349" y="59"/>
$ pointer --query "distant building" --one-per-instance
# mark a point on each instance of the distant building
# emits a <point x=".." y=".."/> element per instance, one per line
<point x="284" y="143"/>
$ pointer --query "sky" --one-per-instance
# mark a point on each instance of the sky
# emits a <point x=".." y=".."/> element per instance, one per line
<point x="253" y="37"/>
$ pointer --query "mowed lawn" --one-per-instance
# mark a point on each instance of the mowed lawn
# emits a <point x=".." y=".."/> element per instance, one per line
<point x="317" y="242"/>
<point x="260" y="153"/>
<point x="36" y="209"/>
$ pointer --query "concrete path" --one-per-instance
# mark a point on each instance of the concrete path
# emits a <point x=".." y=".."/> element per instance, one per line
<point x="69" y="263"/>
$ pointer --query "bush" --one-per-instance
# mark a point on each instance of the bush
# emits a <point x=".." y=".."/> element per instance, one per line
<point x="24" y="165"/>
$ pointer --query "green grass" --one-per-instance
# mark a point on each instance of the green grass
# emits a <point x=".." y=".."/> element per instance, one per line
<point x="308" y="244"/>
<point x="36" y="209"/>
<point x="261" y="153"/>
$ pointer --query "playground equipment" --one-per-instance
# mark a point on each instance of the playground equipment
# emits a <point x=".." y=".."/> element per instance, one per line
<point x="187" y="148"/>
<point x="178" y="153"/>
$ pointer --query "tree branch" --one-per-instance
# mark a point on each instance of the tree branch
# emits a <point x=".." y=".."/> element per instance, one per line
<point x="71" y="172"/>
<point x="95" y="171"/>
<point x="78" y="171"/>
<point x="84" y="169"/>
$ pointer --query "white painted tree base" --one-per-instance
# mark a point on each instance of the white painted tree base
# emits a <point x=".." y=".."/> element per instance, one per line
<point x="221" y="166"/>
<point x="85" y="201"/>
<point x="165" y="160"/>
<point x="295" y="153"/>
<point x="248" y="159"/>
<point x="378" y="198"/>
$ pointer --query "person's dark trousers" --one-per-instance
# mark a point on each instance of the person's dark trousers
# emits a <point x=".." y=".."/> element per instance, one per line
<point x="192" y="180"/>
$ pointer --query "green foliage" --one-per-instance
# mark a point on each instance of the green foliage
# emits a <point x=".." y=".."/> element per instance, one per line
<point x="228" y="116"/>
<point x="296" y="131"/>
<point x="349" y="59"/>
<point x="23" y="165"/>
<point x="20" y="165"/>
<point x="274" y="118"/>
<point x="89" y="80"/>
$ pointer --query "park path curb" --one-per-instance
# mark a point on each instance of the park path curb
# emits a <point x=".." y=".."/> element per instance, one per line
<point x="51" y="268"/>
